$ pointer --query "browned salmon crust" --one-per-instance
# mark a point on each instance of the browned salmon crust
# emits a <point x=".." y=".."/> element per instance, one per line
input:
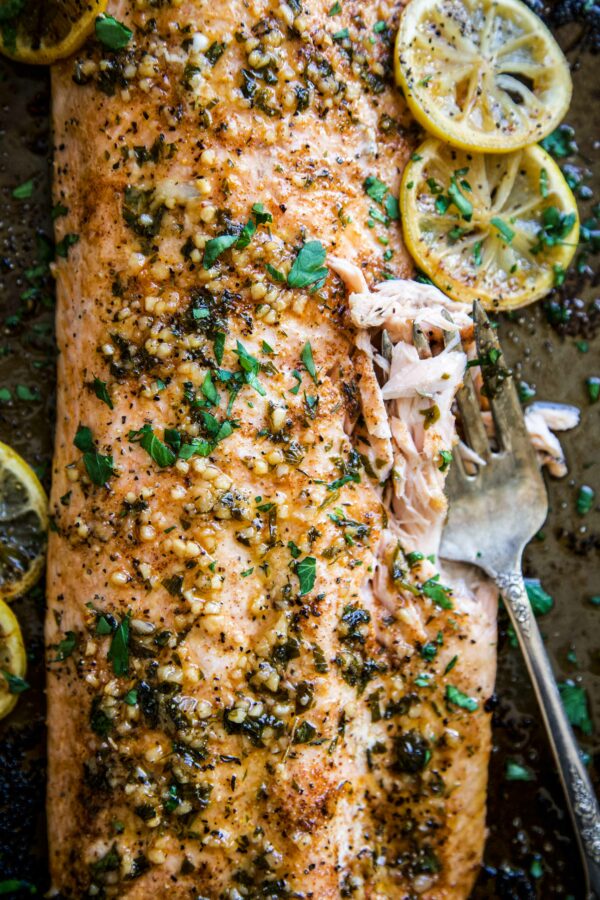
<point x="232" y="712"/>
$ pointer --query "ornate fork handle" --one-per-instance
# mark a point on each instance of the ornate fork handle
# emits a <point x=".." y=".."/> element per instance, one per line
<point x="581" y="799"/>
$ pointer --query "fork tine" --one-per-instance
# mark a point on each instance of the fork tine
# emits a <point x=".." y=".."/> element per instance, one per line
<point x="500" y="387"/>
<point x="468" y="404"/>
<point x="470" y="414"/>
<point x="421" y="342"/>
<point x="456" y="479"/>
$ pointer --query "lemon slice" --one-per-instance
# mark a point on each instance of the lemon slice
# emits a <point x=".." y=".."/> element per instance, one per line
<point x="481" y="74"/>
<point x="23" y="525"/>
<point x="499" y="229"/>
<point x="13" y="661"/>
<point x="42" y="31"/>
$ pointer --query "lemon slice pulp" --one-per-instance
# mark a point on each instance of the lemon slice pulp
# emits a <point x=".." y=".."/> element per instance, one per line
<point x="23" y="524"/>
<point x="13" y="661"/>
<point x="481" y="74"/>
<point x="42" y="31"/>
<point x="499" y="229"/>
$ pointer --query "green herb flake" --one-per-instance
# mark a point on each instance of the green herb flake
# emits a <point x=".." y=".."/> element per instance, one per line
<point x="295" y="551"/>
<point x="118" y="652"/>
<point x="306" y="570"/>
<point x="275" y="274"/>
<point x="308" y="360"/>
<point x="308" y="268"/>
<point x="593" y="388"/>
<point x="504" y="230"/>
<point x="560" y="142"/>
<point x="457" y="698"/>
<point x="16" y="684"/>
<point x="451" y="665"/>
<point x="335" y="10"/>
<point x="574" y="700"/>
<point x="554" y="228"/>
<point x="304" y="733"/>
<point x="65" y="647"/>
<point x="526" y="391"/>
<point x="262" y="215"/>
<point x="246" y="235"/>
<point x="341" y="35"/>
<point x="22" y="392"/>
<point x="439" y="593"/>
<point x="161" y="454"/>
<point x="59" y="210"/>
<point x="112" y="33"/>
<point x="445" y="460"/>
<point x="514" y="771"/>
<point x="392" y="207"/>
<point x="11" y="886"/>
<point x="541" y="602"/>
<point x="101" y="391"/>
<point x="23" y="191"/>
<point x="375" y="188"/>
<point x="585" y="499"/>
<point x="62" y="247"/>
<point x="216" y="246"/>
<point x="544" y="182"/>
<point x="464" y="206"/>
<point x="219" y="346"/>
<point x="99" y="467"/>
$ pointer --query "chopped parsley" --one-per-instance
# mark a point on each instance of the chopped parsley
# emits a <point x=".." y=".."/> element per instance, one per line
<point x="457" y="698"/>
<point x="261" y="215"/>
<point x="554" y="228"/>
<point x="585" y="499"/>
<point x="516" y="772"/>
<point x="118" y="652"/>
<point x="62" y="247"/>
<point x="308" y="360"/>
<point x="574" y="700"/>
<point x="16" y="684"/>
<point x="304" y="733"/>
<point x="65" y="647"/>
<point x="98" y="466"/>
<point x="593" y="388"/>
<point x="541" y="602"/>
<point x="375" y="188"/>
<point x="308" y="268"/>
<point x="162" y="454"/>
<point x="446" y="459"/>
<point x="306" y="570"/>
<point x="250" y="367"/>
<point x="23" y="191"/>
<point x="504" y="230"/>
<point x="561" y="142"/>
<point x="112" y="33"/>
<point x="439" y="593"/>
<point x="101" y="391"/>
<point x="216" y="246"/>
<point x="294" y="550"/>
<point x="463" y="205"/>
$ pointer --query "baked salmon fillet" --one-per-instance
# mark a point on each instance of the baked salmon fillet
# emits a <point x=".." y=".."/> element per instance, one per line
<point x="262" y="682"/>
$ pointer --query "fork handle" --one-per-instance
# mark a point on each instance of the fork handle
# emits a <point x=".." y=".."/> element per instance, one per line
<point x="581" y="798"/>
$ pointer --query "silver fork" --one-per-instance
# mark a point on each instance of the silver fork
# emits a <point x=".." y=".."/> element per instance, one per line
<point x="492" y="515"/>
